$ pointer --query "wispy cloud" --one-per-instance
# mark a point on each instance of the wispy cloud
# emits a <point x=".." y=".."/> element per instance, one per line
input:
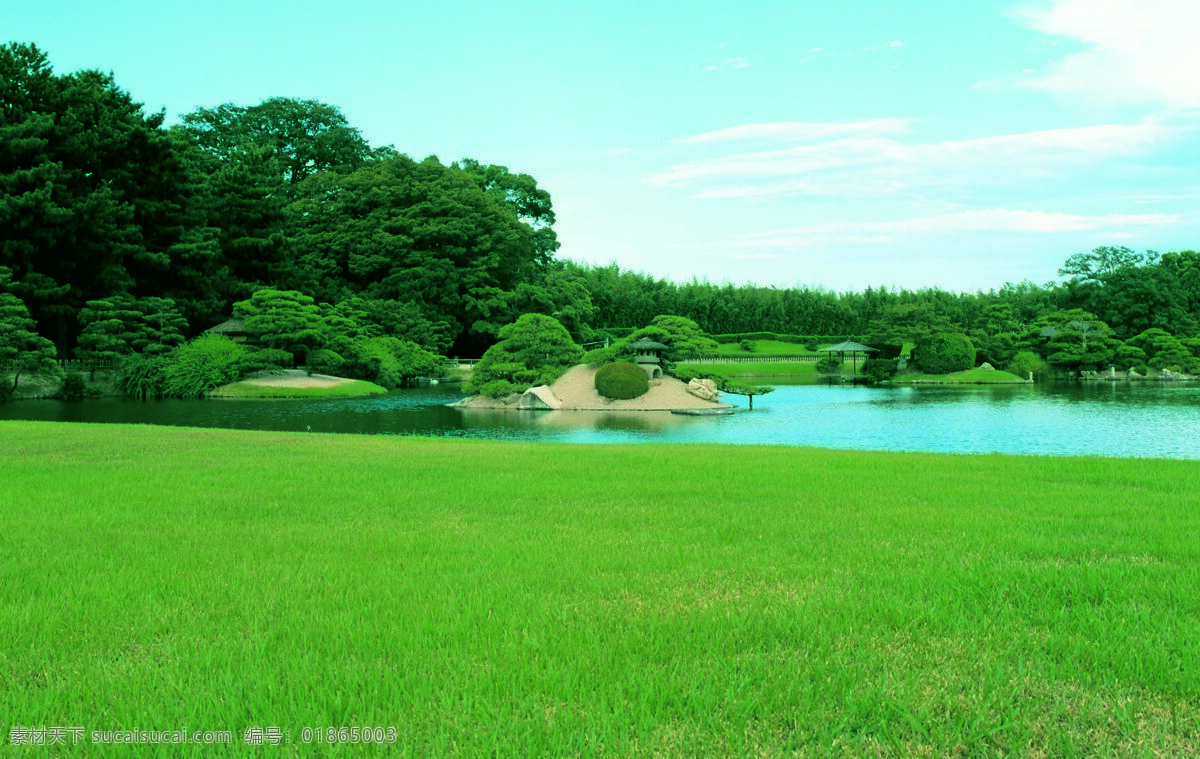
<point x="893" y="45"/>
<point x="870" y="158"/>
<point x="1141" y="51"/>
<point x="736" y="62"/>
<point x="989" y="220"/>
<point x="798" y="131"/>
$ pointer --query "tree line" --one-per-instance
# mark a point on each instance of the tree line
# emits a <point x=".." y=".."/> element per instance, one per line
<point x="120" y="234"/>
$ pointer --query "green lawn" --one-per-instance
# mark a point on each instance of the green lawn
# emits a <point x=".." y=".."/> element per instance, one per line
<point x="491" y="598"/>
<point x="765" y="369"/>
<point x="764" y="348"/>
<point x="970" y="376"/>
<point x="349" y="389"/>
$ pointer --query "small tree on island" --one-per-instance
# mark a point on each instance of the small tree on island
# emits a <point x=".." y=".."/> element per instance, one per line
<point x="534" y="350"/>
<point x="735" y="387"/>
<point x="725" y="384"/>
<point x="282" y="319"/>
<point x="683" y="337"/>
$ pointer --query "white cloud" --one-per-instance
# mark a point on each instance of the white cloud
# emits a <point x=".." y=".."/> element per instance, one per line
<point x="794" y="131"/>
<point x="618" y="152"/>
<point x="866" y="158"/>
<point x="989" y="220"/>
<point x="1141" y="51"/>
<point x="893" y="45"/>
<point x="727" y="63"/>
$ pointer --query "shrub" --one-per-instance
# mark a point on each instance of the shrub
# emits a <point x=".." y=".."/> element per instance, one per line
<point x="1028" y="362"/>
<point x="389" y="362"/>
<point x="141" y="376"/>
<point x="73" y="387"/>
<point x="205" y="363"/>
<point x="829" y="365"/>
<point x="879" y="369"/>
<point x="266" y="360"/>
<point x="944" y="353"/>
<point x="498" y="389"/>
<point x="748" y="345"/>
<point x="687" y="374"/>
<point x="598" y="357"/>
<point x="325" y="361"/>
<point x="622" y="381"/>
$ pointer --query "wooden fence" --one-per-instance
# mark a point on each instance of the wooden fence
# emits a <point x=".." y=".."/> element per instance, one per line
<point x="69" y="365"/>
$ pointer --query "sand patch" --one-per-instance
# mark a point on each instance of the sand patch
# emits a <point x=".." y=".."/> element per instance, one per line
<point x="577" y="391"/>
<point x="295" y="378"/>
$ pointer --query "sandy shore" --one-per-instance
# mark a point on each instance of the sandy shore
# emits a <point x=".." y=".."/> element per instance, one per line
<point x="296" y="378"/>
<point x="577" y="391"/>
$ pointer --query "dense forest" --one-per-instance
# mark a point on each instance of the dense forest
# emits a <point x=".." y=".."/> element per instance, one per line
<point x="109" y="216"/>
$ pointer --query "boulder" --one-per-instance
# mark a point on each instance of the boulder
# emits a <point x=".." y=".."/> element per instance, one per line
<point x="704" y="389"/>
<point x="540" y="398"/>
<point x="987" y="366"/>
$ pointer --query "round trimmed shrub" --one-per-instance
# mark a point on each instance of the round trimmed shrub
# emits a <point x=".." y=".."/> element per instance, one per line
<point x="622" y="381"/>
<point x="944" y="353"/>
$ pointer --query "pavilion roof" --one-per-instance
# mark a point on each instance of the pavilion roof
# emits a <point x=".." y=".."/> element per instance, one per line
<point x="848" y="347"/>
<point x="229" y="326"/>
<point x="646" y="344"/>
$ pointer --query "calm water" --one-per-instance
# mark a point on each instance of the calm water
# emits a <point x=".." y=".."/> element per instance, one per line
<point x="1110" y="419"/>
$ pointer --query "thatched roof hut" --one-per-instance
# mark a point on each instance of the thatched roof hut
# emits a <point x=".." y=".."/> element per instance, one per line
<point x="234" y="329"/>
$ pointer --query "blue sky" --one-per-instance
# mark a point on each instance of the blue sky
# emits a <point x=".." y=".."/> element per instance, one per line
<point x="835" y="144"/>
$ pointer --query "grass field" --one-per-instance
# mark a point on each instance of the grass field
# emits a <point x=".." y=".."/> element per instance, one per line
<point x="974" y="376"/>
<point x="490" y="598"/>
<point x="344" y="389"/>
<point x="763" y="348"/>
<point x="765" y="369"/>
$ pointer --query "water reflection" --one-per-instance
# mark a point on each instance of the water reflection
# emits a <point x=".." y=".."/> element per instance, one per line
<point x="1114" y="419"/>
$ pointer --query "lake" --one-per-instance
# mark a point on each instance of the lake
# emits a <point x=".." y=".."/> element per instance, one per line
<point x="1159" y="420"/>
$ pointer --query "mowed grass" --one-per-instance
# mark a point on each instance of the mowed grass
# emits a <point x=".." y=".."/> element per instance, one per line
<point x="490" y="598"/>
<point x="251" y="389"/>
<point x="974" y="376"/>
<point x="765" y="369"/>
<point x="764" y="348"/>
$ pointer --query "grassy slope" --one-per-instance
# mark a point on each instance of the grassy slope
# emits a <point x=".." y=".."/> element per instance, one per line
<point x="970" y="376"/>
<point x="351" y="389"/>
<point x="763" y="348"/>
<point x="617" y="600"/>
<point x="772" y="369"/>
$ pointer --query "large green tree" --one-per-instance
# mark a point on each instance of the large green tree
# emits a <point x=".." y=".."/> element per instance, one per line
<point x="119" y="325"/>
<point x="1073" y="340"/>
<point x="531" y="203"/>
<point x="424" y="233"/>
<point x="305" y="137"/>
<point x="95" y="198"/>
<point x="1164" y="351"/>
<point x="245" y="202"/>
